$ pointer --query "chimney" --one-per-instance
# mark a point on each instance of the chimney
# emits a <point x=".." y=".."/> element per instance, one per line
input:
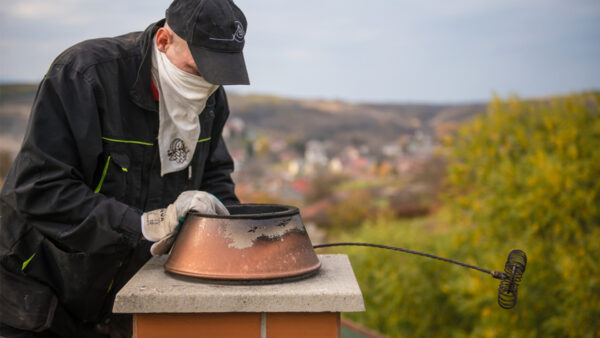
<point x="168" y="305"/>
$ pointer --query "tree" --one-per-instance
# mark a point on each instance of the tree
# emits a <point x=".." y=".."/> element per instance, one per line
<point x="524" y="175"/>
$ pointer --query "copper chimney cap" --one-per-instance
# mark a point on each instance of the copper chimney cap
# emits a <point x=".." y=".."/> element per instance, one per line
<point x="255" y="242"/>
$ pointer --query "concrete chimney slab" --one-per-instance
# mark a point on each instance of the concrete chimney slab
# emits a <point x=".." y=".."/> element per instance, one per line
<point x="153" y="290"/>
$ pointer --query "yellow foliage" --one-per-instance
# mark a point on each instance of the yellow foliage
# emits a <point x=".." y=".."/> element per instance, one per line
<point x="535" y="169"/>
<point x="525" y="175"/>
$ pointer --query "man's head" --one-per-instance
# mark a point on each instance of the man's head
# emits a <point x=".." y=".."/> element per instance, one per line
<point x="206" y="37"/>
<point x="176" y="49"/>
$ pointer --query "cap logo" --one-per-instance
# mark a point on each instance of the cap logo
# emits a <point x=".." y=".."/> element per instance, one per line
<point x="238" y="36"/>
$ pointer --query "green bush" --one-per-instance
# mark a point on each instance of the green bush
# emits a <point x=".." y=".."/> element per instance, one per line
<point x="524" y="175"/>
<point x="405" y="295"/>
<point x="527" y="174"/>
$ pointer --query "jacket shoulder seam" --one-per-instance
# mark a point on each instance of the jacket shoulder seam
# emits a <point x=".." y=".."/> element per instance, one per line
<point x="86" y="68"/>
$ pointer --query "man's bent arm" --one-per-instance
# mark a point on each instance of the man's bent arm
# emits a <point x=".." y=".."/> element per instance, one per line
<point x="50" y="184"/>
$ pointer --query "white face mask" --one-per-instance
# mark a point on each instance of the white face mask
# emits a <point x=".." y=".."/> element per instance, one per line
<point x="181" y="98"/>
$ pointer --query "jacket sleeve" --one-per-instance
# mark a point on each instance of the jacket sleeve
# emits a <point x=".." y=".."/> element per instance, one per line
<point x="219" y="165"/>
<point x="51" y="179"/>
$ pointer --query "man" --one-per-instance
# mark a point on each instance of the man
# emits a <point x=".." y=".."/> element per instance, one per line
<point x="124" y="139"/>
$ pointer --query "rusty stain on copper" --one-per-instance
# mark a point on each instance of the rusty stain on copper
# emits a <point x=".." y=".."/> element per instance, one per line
<point x="257" y="241"/>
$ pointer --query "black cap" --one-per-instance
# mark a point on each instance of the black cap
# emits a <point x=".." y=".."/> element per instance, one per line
<point x="214" y="31"/>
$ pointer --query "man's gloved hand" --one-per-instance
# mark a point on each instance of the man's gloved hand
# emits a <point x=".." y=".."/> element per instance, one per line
<point x="160" y="225"/>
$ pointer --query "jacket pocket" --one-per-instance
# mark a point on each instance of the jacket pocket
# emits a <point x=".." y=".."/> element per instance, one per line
<point x="26" y="304"/>
<point x="113" y="178"/>
<point x="205" y="140"/>
<point x="81" y="281"/>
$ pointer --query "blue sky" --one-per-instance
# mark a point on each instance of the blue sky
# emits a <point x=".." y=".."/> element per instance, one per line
<point x="377" y="50"/>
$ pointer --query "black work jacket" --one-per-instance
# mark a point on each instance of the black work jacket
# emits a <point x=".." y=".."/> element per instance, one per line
<point x="89" y="166"/>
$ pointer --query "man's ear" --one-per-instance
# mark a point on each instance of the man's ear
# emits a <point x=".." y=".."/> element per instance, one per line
<point x="163" y="39"/>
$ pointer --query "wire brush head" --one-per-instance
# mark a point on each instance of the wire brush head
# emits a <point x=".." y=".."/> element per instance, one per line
<point x="511" y="278"/>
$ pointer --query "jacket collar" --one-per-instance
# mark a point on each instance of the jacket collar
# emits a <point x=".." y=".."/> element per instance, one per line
<point x="141" y="90"/>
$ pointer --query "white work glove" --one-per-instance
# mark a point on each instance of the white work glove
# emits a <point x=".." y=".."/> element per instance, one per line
<point x="160" y="225"/>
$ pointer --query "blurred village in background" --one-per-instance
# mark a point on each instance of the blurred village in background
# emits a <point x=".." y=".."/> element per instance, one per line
<point x="340" y="163"/>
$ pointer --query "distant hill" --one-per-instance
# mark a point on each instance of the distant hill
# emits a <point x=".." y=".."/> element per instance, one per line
<point x="345" y="123"/>
<point x="15" y="106"/>
<point x="291" y="119"/>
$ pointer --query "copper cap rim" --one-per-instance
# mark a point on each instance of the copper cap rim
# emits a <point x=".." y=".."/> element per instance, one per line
<point x="285" y="210"/>
<point x="254" y="242"/>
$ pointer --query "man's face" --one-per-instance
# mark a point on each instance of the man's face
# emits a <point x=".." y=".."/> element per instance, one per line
<point x="176" y="50"/>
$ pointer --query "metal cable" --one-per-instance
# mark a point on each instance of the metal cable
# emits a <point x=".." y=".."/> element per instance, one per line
<point x="403" y="250"/>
